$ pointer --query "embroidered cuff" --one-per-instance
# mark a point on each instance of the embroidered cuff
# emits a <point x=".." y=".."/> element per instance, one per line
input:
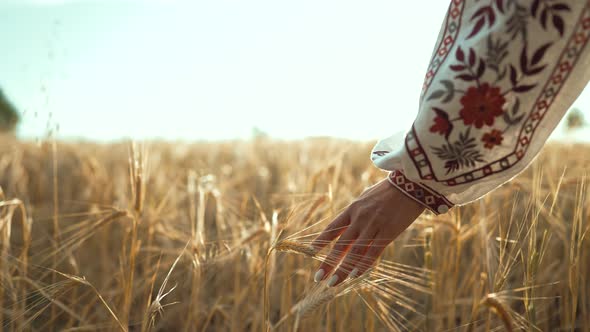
<point x="419" y="192"/>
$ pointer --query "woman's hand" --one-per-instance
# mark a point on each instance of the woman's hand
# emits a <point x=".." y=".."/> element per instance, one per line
<point x="366" y="227"/>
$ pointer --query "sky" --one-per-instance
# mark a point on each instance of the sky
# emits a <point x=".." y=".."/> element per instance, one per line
<point x="196" y="69"/>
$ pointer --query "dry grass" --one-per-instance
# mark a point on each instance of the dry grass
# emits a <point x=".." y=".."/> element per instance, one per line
<point x="166" y="237"/>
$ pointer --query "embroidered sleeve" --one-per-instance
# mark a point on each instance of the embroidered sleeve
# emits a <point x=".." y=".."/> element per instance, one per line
<point x="502" y="75"/>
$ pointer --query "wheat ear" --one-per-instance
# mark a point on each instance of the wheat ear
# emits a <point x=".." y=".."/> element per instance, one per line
<point x="295" y="247"/>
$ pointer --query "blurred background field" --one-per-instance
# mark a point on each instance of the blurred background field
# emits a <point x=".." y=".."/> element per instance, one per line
<point x="119" y="216"/>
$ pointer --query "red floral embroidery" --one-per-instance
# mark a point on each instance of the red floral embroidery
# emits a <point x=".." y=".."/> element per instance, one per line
<point x="492" y="139"/>
<point x="481" y="105"/>
<point x="441" y="125"/>
<point x="471" y="110"/>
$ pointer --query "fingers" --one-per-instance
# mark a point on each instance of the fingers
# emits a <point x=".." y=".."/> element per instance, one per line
<point x="332" y="231"/>
<point x="373" y="252"/>
<point x="355" y="255"/>
<point x="338" y="251"/>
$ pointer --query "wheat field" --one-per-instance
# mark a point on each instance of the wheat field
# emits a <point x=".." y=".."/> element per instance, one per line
<point x="178" y="237"/>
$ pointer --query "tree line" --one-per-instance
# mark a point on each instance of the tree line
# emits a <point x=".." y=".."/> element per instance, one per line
<point x="9" y="116"/>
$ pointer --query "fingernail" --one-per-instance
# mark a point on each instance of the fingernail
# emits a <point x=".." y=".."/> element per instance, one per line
<point x="332" y="280"/>
<point x="353" y="274"/>
<point x="319" y="275"/>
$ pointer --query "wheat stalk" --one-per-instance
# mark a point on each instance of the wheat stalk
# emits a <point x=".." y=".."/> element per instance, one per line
<point x="83" y="281"/>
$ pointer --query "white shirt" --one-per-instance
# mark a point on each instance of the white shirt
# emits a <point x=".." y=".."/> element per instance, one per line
<point x="502" y="75"/>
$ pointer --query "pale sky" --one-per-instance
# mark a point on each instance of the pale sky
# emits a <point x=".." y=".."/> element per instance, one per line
<point x="111" y="69"/>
